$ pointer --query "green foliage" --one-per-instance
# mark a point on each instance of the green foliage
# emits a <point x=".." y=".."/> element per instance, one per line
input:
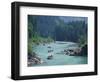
<point x="49" y="39"/>
<point x="38" y="39"/>
<point x="42" y="30"/>
<point x="82" y="40"/>
<point x="30" y="51"/>
<point x="30" y="32"/>
<point x="31" y="26"/>
<point x="70" y="31"/>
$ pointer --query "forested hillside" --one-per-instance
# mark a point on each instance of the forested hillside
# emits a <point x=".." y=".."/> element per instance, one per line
<point x="55" y="28"/>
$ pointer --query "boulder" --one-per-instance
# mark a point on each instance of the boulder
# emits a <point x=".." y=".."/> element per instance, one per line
<point x="81" y="51"/>
<point x="49" y="46"/>
<point x="34" y="59"/>
<point x="84" y="50"/>
<point x="50" y="57"/>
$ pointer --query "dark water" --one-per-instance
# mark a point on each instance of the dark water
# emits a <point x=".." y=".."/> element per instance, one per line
<point x="59" y="57"/>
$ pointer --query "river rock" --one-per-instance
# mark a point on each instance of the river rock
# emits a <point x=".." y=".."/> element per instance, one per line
<point x="83" y="51"/>
<point x="49" y="46"/>
<point x="50" y="57"/>
<point x="34" y="59"/>
<point x="80" y="51"/>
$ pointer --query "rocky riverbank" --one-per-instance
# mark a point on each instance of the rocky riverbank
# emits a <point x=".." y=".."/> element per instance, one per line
<point x="34" y="59"/>
<point x="82" y="51"/>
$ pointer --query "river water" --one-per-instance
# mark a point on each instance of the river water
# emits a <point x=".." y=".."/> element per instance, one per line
<point x="59" y="57"/>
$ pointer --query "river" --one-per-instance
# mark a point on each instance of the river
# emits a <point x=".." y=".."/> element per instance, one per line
<point x="59" y="57"/>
